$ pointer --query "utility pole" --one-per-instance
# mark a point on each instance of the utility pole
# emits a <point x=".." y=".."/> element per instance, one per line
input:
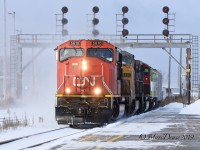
<point x="169" y="74"/>
<point x="4" y="55"/>
<point x="33" y="75"/>
<point x="180" y="72"/>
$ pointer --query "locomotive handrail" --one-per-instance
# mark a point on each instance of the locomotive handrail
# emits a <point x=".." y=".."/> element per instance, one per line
<point x="105" y="85"/>
<point x="64" y="81"/>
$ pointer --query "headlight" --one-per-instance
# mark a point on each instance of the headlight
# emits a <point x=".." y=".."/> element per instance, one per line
<point x="67" y="90"/>
<point x="84" y="65"/>
<point x="97" y="91"/>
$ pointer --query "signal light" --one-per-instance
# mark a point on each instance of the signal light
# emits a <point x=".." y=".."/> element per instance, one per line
<point x="64" y="32"/>
<point x="64" y="10"/>
<point x="64" y="21"/>
<point x="124" y="32"/>
<point x="125" y="9"/>
<point x="95" y="9"/>
<point x="95" y="32"/>
<point x="125" y="21"/>
<point x="166" y="9"/>
<point x="165" y="33"/>
<point x="95" y="21"/>
<point x="166" y="21"/>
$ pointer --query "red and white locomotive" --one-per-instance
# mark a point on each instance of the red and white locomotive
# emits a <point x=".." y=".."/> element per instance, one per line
<point x="94" y="77"/>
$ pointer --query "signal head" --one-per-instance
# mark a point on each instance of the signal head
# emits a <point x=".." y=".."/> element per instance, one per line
<point x="124" y="32"/>
<point x="64" y="10"/>
<point x="64" y="32"/>
<point x="125" y="9"/>
<point x="125" y="21"/>
<point x="95" y="21"/>
<point x="166" y="9"/>
<point x="166" y="21"/>
<point x="95" y="32"/>
<point x="165" y="32"/>
<point x="95" y="9"/>
<point x="64" y="21"/>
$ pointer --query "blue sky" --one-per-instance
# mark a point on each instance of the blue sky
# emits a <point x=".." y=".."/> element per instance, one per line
<point x="145" y="17"/>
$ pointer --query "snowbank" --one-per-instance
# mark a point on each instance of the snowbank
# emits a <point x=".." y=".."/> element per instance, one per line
<point x="192" y="108"/>
<point x="174" y="105"/>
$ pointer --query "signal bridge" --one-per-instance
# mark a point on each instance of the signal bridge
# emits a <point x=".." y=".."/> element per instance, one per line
<point x="21" y="42"/>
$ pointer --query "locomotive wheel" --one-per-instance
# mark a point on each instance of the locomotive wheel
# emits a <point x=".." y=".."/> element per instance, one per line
<point x="132" y="109"/>
<point x="142" y="105"/>
<point x="128" y="107"/>
<point x="156" y="103"/>
<point x="151" y="104"/>
<point x="115" y="110"/>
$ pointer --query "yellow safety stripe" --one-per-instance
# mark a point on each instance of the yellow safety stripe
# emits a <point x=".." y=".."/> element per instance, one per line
<point x="115" y="138"/>
<point x="85" y="96"/>
<point x="87" y="137"/>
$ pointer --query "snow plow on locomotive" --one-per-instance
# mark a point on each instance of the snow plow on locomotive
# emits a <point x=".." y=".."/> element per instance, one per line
<point x="94" y="78"/>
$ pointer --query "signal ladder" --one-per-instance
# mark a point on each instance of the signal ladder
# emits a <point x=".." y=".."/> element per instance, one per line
<point x="195" y="64"/>
<point x="13" y="65"/>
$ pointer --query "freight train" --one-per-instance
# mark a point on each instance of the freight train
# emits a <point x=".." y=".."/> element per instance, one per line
<point x="94" y="78"/>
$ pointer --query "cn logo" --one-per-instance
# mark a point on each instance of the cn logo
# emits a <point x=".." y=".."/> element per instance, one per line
<point x="92" y="83"/>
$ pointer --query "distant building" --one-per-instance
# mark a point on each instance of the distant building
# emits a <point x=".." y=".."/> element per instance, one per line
<point x="173" y="92"/>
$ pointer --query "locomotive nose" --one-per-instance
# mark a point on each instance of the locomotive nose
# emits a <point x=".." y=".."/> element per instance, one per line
<point x="85" y="77"/>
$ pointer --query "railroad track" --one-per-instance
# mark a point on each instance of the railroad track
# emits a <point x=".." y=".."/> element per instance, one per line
<point x="48" y="141"/>
<point x="22" y="137"/>
<point x="120" y="121"/>
<point x="58" y="136"/>
<point x="93" y="137"/>
<point x="38" y="144"/>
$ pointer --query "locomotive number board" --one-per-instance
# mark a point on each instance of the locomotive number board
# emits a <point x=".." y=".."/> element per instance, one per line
<point x="97" y="43"/>
<point x="75" y="43"/>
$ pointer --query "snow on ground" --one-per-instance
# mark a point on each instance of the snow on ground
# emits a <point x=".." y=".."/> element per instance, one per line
<point x="111" y="145"/>
<point x="135" y="125"/>
<point x="174" y="106"/>
<point x="193" y="108"/>
<point x="39" y="114"/>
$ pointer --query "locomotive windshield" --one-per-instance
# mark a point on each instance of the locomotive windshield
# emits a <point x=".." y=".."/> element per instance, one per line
<point x="65" y="53"/>
<point x="146" y="72"/>
<point x="105" y="53"/>
<point x="126" y="59"/>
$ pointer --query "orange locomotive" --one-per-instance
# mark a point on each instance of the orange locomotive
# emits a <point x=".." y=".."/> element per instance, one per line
<point x="94" y="77"/>
<point x="87" y="81"/>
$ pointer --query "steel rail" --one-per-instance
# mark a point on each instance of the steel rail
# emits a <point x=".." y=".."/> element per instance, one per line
<point x="27" y="136"/>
